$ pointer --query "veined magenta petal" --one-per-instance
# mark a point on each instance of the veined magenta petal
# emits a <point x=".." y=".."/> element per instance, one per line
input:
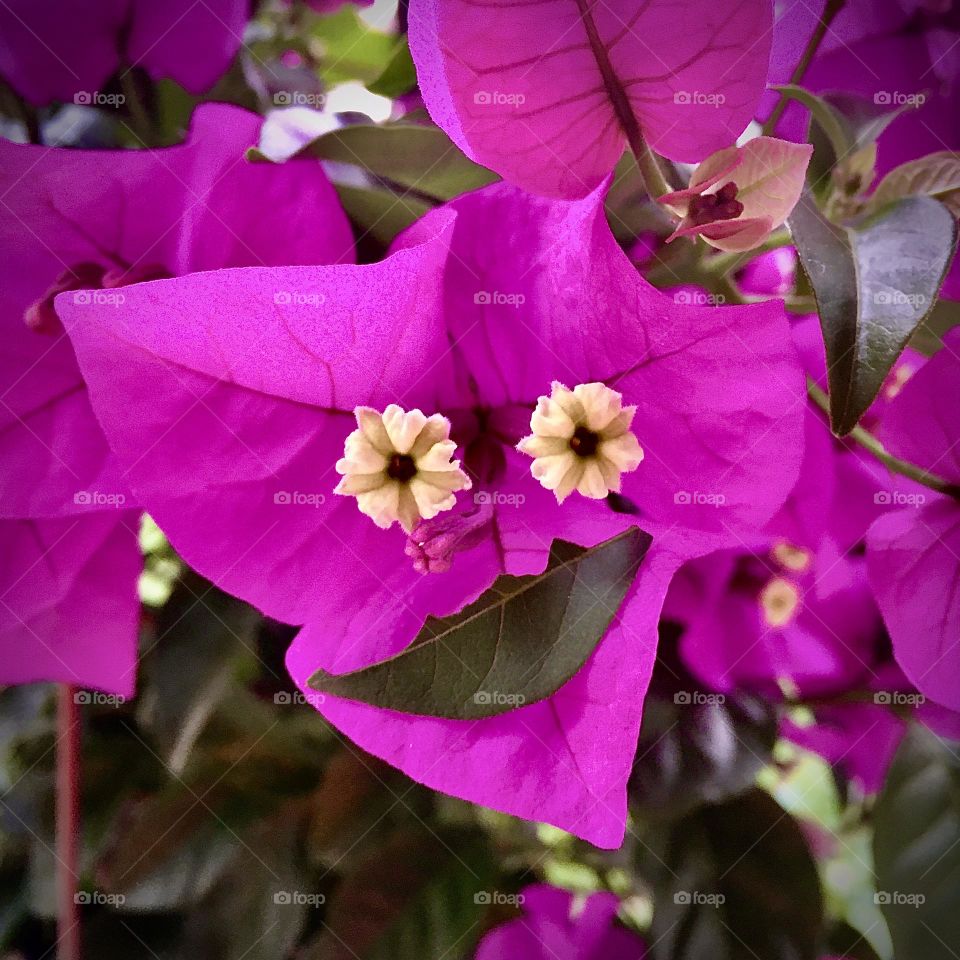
<point x="228" y="395"/>
<point x="541" y="92"/>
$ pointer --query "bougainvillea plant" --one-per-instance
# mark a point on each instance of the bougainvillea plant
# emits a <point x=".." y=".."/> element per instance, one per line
<point x="480" y="480"/>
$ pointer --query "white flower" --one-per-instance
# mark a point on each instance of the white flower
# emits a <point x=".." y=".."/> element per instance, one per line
<point x="398" y="466"/>
<point x="581" y="441"/>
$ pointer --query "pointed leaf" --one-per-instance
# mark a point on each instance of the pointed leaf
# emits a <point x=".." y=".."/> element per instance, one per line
<point x="936" y="175"/>
<point x="416" y="158"/>
<point x="518" y="644"/>
<point x="399" y="76"/>
<point x="738" y="882"/>
<point x="916" y="850"/>
<point x="874" y="284"/>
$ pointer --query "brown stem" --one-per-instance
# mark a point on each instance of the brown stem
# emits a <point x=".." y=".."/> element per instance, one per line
<point x="68" y="823"/>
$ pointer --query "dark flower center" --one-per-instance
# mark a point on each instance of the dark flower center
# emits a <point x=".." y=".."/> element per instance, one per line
<point x="584" y="442"/>
<point x="402" y="468"/>
<point x="710" y="207"/>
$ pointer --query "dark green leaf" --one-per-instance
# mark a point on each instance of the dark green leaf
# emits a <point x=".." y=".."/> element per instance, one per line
<point x="202" y="636"/>
<point x="379" y="213"/>
<point x="420" y="896"/>
<point x="874" y="284"/>
<point x="936" y="175"/>
<point x="928" y="337"/>
<point x="830" y="121"/>
<point x="518" y="644"/>
<point x="422" y="159"/>
<point x="399" y="76"/>
<point x="695" y="747"/>
<point x="348" y="48"/>
<point x="916" y="849"/>
<point x="738" y="884"/>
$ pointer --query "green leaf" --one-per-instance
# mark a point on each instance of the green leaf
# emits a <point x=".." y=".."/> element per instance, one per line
<point x="936" y="175"/>
<point x="417" y="158"/>
<point x="738" y="883"/>
<point x="874" y="283"/>
<point x="202" y="636"/>
<point x="824" y="114"/>
<point x="917" y="822"/>
<point x="928" y="337"/>
<point x="399" y="76"/>
<point x="695" y="747"/>
<point x="518" y="644"/>
<point x="378" y="212"/>
<point x="347" y="48"/>
<point x="419" y="896"/>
